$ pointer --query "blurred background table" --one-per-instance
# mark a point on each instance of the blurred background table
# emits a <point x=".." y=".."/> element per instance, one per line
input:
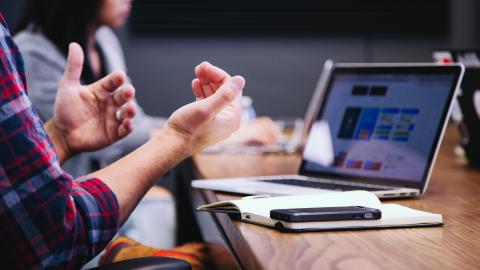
<point x="454" y="191"/>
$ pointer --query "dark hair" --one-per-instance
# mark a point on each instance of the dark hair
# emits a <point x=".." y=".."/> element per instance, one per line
<point x="63" y="22"/>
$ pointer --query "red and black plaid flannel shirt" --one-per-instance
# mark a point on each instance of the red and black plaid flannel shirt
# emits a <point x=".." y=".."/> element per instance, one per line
<point x="47" y="219"/>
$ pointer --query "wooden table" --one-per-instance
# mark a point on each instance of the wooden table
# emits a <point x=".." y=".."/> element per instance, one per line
<point x="454" y="191"/>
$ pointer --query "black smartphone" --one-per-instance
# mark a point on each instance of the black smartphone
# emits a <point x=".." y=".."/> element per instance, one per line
<point x="325" y="214"/>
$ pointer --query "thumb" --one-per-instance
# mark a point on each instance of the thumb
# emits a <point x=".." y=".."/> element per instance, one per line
<point x="226" y="94"/>
<point x="73" y="71"/>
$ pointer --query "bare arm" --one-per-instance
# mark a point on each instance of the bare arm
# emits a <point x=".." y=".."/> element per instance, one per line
<point x="133" y="175"/>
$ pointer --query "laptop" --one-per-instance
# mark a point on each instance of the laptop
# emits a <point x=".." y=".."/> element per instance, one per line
<point x="385" y="124"/>
<point x="466" y="108"/>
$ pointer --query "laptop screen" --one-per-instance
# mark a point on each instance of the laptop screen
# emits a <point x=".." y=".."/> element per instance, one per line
<point x="384" y="123"/>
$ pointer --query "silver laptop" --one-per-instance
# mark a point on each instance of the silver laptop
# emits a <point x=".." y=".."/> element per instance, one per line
<point x="384" y="123"/>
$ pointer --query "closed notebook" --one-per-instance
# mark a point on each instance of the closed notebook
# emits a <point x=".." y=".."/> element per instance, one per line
<point x="257" y="211"/>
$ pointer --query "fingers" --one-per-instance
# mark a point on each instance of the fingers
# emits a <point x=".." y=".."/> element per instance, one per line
<point x="208" y="90"/>
<point x="73" y="70"/>
<point x="124" y="128"/>
<point x="197" y="89"/>
<point x="209" y="79"/>
<point x="208" y="73"/>
<point x="258" y="131"/>
<point x="201" y="91"/>
<point x="127" y="111"/>
<point x="255" y="132"/>
<point x="269" y="129"/>
<point x="124" y="95"/>
<point x="125" y="117"/>
<point x="103" y="88"/>
<point x="226" y="94"/>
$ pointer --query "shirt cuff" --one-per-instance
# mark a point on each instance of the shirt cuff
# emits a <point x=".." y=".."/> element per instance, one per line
<point x="100" y="211"/>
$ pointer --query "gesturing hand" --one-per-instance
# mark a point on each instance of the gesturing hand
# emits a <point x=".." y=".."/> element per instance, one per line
<point x="209" y="79"/>
<point x="257" y="131"/>
<point x="215" y="114"/>
<point x="89" y="117"/>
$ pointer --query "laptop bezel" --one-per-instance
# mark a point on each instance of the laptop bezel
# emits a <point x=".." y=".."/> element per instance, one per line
<point x="408" y="68"/>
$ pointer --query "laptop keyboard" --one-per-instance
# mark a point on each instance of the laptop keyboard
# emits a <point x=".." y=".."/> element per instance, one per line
<point x="320" y="185"/>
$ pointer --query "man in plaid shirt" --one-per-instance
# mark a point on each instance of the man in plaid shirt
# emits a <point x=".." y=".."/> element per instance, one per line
<point x="48" y="219"/>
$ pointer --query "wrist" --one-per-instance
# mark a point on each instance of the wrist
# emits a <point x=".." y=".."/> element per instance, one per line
<point x="59" y="141"/>
<point x="180" y="145"/>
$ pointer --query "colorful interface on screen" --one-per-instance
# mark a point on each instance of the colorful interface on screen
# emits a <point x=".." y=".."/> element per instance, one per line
<point x="383" y="126"/>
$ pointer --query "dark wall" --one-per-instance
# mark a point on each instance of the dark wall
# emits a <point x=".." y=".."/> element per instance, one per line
<point x="11" y="10"/>
<point x="281" y="71"/>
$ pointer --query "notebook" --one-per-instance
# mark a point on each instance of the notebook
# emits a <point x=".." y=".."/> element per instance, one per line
<point x="257" y="211"/>
<point x="373" y="127"/>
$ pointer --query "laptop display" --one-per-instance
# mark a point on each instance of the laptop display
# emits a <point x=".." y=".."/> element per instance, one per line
<point x="374" y="127"/>
<point x="385" y="123"/>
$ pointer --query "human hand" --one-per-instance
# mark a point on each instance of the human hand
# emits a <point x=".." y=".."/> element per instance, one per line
<point x="215" y="114"/>
<point x="209" y="79"/>
<point x="258" y="131"/>
<point x="85" y="116"/>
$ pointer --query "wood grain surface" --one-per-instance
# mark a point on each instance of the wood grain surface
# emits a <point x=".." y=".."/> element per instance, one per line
<point x="454" y="192"/>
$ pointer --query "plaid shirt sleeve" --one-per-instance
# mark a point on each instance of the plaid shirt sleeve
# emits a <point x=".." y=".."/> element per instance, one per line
<point x="47" y="219"/>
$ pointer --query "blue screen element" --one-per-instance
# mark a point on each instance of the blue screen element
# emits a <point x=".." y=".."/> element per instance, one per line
<point x="349" y="123"/>
<point x="368" y="121"/>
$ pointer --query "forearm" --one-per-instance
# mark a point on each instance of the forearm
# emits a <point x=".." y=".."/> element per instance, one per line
<point x="132" y="176"/>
